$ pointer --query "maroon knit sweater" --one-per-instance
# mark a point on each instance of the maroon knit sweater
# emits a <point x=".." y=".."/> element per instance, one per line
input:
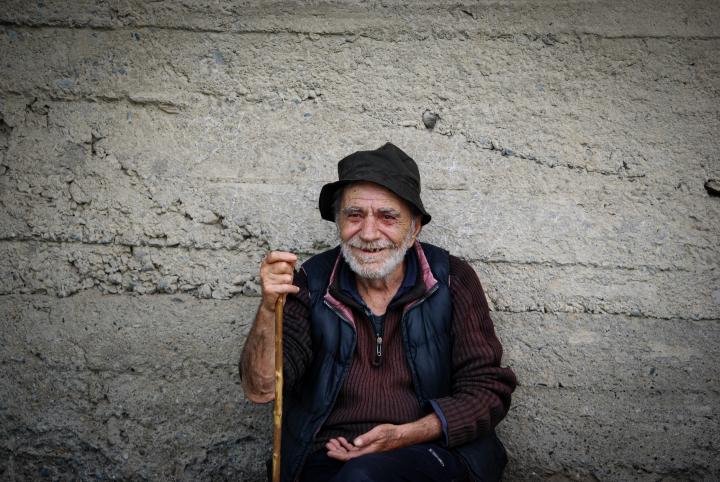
<point x="371" y="395"/>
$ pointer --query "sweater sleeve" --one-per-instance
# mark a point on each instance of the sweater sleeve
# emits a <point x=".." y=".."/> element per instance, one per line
<point x="297" y="342"/>
<point x="481" y="388"/>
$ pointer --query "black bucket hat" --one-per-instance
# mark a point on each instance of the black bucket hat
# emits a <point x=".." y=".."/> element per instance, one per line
<point x="387" y="166"/>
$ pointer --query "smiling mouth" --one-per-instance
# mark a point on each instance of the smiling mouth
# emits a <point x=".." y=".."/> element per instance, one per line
<point x="371" y="255"/>
<point x="372" y="250"/>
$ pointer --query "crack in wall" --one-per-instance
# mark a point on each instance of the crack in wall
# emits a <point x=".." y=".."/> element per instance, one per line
<point x="137" y="270"/>
<point x="622" y="173"/>
<point x="573" y="309"/>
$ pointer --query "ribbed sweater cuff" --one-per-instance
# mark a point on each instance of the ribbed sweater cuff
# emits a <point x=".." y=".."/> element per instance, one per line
<point x="443" y="421"/>
<point x="463" y="425"/>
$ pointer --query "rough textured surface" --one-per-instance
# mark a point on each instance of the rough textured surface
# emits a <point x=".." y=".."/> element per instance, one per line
<point x="152" y="152"/>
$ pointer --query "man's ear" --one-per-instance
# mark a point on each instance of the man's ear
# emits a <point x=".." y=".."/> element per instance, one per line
<point x="418" y="226"/>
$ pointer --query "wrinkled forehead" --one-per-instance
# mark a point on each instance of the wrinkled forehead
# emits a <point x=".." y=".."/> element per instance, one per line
<point x="368" y="195"/>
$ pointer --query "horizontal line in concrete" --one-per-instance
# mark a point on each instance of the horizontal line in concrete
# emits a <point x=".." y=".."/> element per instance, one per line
<point x="306" y="254"/>
<point x="368" y="32"/>
<point x="254" y="299"/>
<point x="391" y="20"/>
<point x="601" y="314"/>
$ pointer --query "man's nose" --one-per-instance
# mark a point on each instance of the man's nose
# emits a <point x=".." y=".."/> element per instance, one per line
<point x="369" y="231"/>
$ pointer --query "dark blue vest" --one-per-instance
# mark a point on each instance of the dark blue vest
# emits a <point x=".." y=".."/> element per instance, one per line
<point x="426" y="329"/>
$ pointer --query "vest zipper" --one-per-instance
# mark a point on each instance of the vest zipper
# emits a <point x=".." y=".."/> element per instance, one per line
<point x="378" y="324"/>
<point x="377" y="360"/>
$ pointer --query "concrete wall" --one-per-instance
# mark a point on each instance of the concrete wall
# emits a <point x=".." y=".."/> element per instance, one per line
<point x="152" y="152"/>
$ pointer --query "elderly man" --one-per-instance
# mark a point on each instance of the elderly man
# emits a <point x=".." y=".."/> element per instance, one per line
<point x="392" y="366"/>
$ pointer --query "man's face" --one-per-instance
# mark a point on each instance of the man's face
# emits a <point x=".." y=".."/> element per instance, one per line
<point x="376" y="228"/>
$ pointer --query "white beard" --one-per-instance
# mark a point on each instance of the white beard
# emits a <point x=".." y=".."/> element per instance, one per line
<point x="364" y="266"/>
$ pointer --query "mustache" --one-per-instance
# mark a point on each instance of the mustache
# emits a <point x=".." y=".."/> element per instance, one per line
<point x="358" y="243"/>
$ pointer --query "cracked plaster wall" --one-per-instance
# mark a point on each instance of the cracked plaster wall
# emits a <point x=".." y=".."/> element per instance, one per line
<point x="152" y="152"/>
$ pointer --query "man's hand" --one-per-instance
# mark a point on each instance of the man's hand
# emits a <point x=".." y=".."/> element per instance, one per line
<point x="380" y="439"/>
<point x="276" y="276"/>
<point x="257" y="362"/>
<point x="385" y="437"/>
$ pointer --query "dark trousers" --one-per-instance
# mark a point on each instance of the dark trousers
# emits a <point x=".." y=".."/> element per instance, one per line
<point x="426" y="462"/>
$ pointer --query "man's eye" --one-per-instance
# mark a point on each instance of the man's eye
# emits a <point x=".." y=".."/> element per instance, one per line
<point x="389" y="217"/>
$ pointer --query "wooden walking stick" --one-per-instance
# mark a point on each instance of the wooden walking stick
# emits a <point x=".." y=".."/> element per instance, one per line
<point x="277" y="411"/>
